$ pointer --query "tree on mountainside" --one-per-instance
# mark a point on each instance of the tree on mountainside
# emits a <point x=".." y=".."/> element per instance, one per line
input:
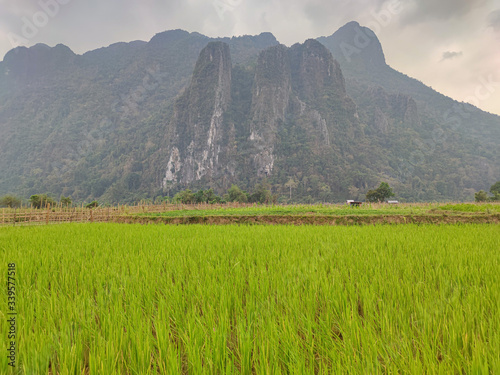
<point x="292" y="184"/>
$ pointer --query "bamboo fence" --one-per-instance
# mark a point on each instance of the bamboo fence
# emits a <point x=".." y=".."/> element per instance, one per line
<point x="59" y="214"/>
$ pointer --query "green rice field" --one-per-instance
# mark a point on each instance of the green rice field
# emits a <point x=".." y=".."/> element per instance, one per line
<point x="277" y="210"/>
<point x="328" y="209"/>
<point x="155" y="299"/>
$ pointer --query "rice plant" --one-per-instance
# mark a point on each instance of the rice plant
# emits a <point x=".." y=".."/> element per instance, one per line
<point x="130" y="299"/>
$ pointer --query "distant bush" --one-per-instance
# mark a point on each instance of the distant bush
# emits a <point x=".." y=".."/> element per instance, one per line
<point x="92" y="204"/>
<point x="10" y="201"/>
<point x="185" y="197"/>
<point x="467" y="207"/>
<point x="481" y="196"/>
<point x="380" y="194"/>
<point x="41" y="200"/>
<point x="495" y="189"/>
<point x="235" y="194"/>
<point x="66" y="201"/>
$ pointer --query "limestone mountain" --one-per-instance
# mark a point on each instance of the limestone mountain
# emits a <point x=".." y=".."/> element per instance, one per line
<point x="291" y="92"/>
<point x="92" y="124"/>
<point x="200" y="137"/>
<point x="437" y="148"/>
<point x="143" y="119"/>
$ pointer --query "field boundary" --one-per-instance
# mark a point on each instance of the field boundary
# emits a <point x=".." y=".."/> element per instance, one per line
<point x="179" y="214"/>
<point x="313" y="220"/>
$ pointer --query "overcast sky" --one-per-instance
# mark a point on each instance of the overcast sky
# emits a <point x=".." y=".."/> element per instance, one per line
<point x="451" y="45"/>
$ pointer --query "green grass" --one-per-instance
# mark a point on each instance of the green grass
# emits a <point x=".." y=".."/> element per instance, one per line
<point x="469" y="207"/>
<point x="334" y="210"/>
<point x="131" y="299"/>
<point x="326" y="210"/>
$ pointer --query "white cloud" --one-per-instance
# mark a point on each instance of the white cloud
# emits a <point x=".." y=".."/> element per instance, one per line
<point x="494" y="20"/>
<point x="449" y="55"/>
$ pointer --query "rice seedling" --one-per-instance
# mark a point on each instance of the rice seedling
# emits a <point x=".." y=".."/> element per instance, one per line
<point x="130" y="299"/>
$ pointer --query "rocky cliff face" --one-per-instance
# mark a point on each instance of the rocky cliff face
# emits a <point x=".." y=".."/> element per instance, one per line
<point x="301" y="87"/>
<point x="270" y="98"/>
<point x="387" y="112"/>
<point x="321" y="103"/>
<point x="314" y="70"/>
<point x="198" y="119"/>
<point x="355" y="44"/>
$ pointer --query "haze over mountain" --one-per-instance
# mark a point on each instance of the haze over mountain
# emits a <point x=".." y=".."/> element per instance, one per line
<point x="143" y="119"/>
<point x="448" y="44"/>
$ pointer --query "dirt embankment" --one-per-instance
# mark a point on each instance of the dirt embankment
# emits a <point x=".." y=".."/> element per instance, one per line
<point x="314" y="220"/>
